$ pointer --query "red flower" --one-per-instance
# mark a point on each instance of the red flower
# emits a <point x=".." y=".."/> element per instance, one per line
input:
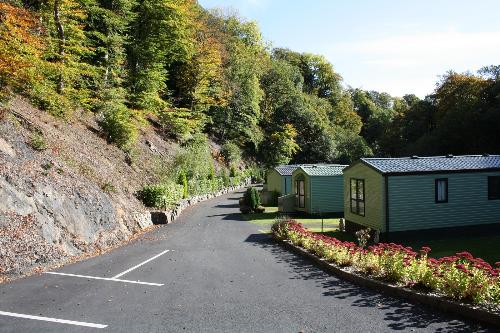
<point x="425" y="249"/>
<point x="465" y="255"/>
<point x="433" y="261"/>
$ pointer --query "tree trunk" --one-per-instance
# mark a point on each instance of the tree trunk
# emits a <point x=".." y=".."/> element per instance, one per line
<point x="62" y="43"/>
<point x="106" y="73"/>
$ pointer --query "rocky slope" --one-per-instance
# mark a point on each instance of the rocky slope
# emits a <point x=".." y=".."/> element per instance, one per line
<point x="65" y="192"/>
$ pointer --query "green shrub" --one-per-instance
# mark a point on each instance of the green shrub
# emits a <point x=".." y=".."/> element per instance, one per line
<point x="117" y="123"/>
<point x="45" y="98"/>
<point x="108" y="187"/>
<point x="255" y="173"/>
<point x="161" y="196"/>
<point x="38" y="142"/>
<point x="181" y="123"/>
<point x="225" y="179"/>
<point x="231" y="153"/>
<point x="211" y="174"/>
<point x="254" y="198"/>
<point x="251" y="198"/>
<point x="182" y="180"/>
<point x="194" y="158"/>
<point x="200" y="186"/>
<point x="232" y="171"/>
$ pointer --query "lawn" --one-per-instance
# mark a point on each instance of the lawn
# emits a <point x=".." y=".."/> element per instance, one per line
<point x="313" y="223"/>
<point x="486" y="247"/>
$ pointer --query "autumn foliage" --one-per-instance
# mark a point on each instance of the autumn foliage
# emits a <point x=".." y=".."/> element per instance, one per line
<point x="21" y="45"/>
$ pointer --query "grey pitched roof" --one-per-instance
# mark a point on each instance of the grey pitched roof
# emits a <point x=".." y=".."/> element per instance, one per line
<point x="443" y="164"/>
<point x="323" y="169"/>
<point x="286" y="170"/>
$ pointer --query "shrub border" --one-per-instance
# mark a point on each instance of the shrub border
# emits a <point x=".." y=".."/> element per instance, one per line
<point x="432" y="301"/>
<point x="158" y="217"/>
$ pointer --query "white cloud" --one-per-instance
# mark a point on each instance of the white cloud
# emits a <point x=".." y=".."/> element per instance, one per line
<point x="411" y="62"/>
<point x="431" y="48"/>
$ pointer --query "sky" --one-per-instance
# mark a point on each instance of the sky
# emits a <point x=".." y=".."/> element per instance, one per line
<point x="394" y="46"/>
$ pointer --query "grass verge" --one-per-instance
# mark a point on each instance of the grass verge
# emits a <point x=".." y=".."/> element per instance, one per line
<point x="265" y="221"/>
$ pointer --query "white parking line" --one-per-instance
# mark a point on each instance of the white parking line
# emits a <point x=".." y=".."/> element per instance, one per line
<point x="139" y="265"/>
<point x="53" y="320"/>
<point x="105" y="279"/>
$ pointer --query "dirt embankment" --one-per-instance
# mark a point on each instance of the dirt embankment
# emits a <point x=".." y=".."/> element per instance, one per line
<point x="65" y="192"/>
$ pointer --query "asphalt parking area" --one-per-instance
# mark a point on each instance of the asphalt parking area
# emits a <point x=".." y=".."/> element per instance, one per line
<point x="211" y="271"/>
<point x="60" y="275"/>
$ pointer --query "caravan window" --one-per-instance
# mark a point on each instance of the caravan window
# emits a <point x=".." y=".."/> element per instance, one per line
<point x="358" y="196"/>
<point x="441" y="190"/>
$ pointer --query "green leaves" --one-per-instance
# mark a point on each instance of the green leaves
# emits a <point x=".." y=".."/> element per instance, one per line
<point x="161" y="196"/>
<point x="161" y="36"/>
<point x="116" y="120"/>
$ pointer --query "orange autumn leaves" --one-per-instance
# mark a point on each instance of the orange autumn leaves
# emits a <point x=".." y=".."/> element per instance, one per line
<point x="21" y="45"/>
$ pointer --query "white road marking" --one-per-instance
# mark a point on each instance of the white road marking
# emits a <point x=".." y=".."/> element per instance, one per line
<point x="105" y="279"/>
<point x="53" y="320"/>
<point x="139" y="265"/>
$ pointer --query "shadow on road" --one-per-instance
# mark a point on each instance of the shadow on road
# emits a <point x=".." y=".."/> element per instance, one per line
<point x="399" y="314"/>
<point x="227" y="206"/>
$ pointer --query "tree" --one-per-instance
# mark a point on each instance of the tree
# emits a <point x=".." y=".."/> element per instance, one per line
<point x="242" y="68"/>
<point x="350" y="147"/>
<point x="318" y="75"/>
<point x="281" y="146"/>
<point x="108" y="22"/>
<point x="464" y="119"/>
<point x="20" y="47"/>
<point x="161" y="36"/>
<point x="197" y="82"/>
<point x="343" y="114"/>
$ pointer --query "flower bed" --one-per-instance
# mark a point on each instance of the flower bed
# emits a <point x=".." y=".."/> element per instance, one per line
<point x="460" y="277"/>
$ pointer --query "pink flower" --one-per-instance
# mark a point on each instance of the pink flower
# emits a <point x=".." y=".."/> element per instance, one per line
<point x="465" y="255"/>
<point x="425" y="249"/>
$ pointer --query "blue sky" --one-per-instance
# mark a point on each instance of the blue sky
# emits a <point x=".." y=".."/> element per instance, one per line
<point x="396" y="46"/>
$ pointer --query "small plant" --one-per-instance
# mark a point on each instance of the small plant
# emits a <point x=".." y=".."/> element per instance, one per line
<point x="182" y="180"/>
<point x="211" y="172"/>
<point x="254" y="197"/>
<point x="342" y="224"/>
<point x="47" y="166"/>
<point x="225" y="179"/>
<point x="131" y="155"/>
<point x="232" y="171"/>
<point x="251" y="202"/>
<point x="363" y="236"/>
<point x="108" y="187"/>
<point x="38" y="142"/>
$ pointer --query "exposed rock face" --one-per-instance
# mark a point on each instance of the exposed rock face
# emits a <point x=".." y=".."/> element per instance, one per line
<point x="74" y="196"/>
<point x="49" y="210"/>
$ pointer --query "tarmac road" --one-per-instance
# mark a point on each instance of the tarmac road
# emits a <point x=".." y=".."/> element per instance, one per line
<point x="220" y="274"/>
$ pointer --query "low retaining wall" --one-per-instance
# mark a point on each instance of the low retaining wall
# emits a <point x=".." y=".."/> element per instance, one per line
<point x="433" y="301"/>
<point x="169" y="216"/>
